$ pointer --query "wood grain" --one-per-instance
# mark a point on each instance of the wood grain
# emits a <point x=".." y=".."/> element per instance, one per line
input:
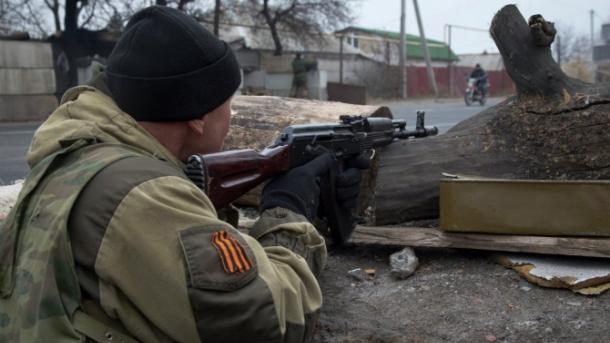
<point x="436" y="238"/>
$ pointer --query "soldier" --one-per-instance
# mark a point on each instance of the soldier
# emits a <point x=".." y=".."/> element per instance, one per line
<point x="109" y="241"/>
<point x="300" y="68"/>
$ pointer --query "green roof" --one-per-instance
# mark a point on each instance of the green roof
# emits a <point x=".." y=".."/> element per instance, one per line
<point x="438" y="50"/>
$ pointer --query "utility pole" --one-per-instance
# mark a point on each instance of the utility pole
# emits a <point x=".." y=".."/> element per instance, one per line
<point x="341" y="59"/>
<point x="402" y="52"/>
<point x="592" y="12"/>
<point x="559" y="50"/>
<point x="449" y="61"/>
<point x="449" y="74"/>
<point x="431" y="78"/>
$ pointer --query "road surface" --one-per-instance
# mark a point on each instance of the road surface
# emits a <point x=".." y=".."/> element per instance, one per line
<point x="443" y="113"/>
<point x="15" y="137"/>
<point x="14" y="141"/>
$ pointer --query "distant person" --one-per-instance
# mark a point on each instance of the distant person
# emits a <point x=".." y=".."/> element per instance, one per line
<point x="300" y="68"/>
<point x="481" y="76"/>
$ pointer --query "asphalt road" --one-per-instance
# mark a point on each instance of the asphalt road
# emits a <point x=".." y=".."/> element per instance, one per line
<point x="14" y="141"/>
<point x="443" y="113"/>
<point x="15" y="137"/>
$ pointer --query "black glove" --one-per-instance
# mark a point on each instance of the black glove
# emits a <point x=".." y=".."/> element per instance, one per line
<point x="348" y="182"/>
<point x="298" y="189"/>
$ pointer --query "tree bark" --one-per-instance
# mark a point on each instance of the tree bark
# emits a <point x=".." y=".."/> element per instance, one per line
<point x="217" y="18"/>
<point x="556" y="127"/>
<point x="272" y="22"/>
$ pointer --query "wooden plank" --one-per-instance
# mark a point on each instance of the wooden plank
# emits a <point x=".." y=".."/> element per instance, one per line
<point x="431" y="237"/>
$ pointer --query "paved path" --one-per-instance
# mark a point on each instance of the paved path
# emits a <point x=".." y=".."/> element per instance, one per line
<point x="443" y="113"/>
<point x="14" y="141"/>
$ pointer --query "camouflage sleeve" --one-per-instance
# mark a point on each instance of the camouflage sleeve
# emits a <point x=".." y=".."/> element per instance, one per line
<point x="279" y="227"/>
<point x="170" y="270"/>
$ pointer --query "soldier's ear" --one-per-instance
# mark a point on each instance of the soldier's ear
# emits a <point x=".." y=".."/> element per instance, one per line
<point x="196" y="125"/>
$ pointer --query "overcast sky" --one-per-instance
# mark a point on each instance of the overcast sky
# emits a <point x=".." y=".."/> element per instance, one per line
<point x="385" y="15"/>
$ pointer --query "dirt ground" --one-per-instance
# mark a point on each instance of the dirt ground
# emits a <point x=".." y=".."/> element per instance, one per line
<point x="454" y="296"/>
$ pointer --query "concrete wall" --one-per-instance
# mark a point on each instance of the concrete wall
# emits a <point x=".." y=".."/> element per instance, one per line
<point x="276" y="64"/>
<point x="27" y="81"/>
<point x="23" y="81"/>
<point x="280" y="84"/>
<point x="25" y="54"/>
<point x="353" y="69"/>
<point x="249" y="59"/>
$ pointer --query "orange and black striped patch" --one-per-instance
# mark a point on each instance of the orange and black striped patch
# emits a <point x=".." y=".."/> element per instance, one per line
<point x="232" y="254"/>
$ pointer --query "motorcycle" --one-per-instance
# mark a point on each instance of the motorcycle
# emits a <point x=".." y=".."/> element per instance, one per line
<point x="475" y="92"/>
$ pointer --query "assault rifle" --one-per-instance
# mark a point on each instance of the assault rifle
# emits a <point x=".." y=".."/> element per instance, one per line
<point x="227" y="175"/>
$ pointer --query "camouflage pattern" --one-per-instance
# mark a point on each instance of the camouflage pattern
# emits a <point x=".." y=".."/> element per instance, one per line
<point x="300" y="67"/>
<point x="39" y="288"/>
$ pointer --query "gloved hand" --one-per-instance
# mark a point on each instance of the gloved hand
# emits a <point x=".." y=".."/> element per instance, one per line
<point x="348" y="182"/>
<point x="298" y="189"/>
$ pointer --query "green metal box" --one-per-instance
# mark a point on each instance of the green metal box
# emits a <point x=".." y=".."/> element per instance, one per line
<point x="527" y="207"/>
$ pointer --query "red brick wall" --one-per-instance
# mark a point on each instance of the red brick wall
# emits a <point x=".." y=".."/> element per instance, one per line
<point x="417" y="82"/>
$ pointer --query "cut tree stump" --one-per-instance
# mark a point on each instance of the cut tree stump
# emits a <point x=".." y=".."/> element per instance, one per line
<point x="555" y="127"/>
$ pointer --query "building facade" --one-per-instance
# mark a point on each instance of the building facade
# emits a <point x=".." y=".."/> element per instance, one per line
<point x="27" y="80"/>
<point x="601" y="56"/>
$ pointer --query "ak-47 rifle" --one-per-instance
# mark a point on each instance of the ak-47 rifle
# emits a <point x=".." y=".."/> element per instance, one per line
<point x="227" y="175"/>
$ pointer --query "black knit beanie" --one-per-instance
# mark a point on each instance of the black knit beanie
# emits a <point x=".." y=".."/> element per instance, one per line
<point x="167" y="67"/>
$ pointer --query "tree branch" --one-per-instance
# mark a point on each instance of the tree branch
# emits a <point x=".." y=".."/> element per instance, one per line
<point x="280" y="14"/>
<point x="91" y="14"/>
<point x="32" y="17"/>
<point x="70" y="15"/>
<point x="182" y="3"/>
<point x="55" y="10"/>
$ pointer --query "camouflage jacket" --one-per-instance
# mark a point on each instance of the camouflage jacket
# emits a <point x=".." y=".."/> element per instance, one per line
<point x="145" y="246"/>
<point x="300" y="67"/>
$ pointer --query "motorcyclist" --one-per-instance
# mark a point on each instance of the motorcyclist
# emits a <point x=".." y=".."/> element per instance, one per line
<point x="481" y="79"/>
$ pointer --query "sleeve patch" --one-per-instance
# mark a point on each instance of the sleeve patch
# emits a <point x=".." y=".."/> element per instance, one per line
<point x="232" y="255"/>
<point x="217" y="259"/>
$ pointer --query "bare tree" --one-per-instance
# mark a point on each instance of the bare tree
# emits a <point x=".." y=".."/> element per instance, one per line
<point x="179" y="4"/>
<point x="22" y="15"/>
<point x="573" y="44"/>
<point x="78" y="27"/>
<point x="302" y="18"/>
<point x="575" y="53"/>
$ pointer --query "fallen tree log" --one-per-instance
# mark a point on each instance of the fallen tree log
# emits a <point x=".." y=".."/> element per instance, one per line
<point x="555" y="127"/>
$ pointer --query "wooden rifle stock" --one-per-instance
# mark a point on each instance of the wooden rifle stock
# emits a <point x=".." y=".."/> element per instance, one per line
<point x="229" y="174"/>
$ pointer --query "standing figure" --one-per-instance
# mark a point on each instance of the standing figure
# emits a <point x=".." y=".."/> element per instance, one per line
<point x="300" y="68"/>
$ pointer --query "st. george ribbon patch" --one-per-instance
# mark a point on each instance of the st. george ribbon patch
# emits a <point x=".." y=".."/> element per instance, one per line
<point x="232" y="255"/>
